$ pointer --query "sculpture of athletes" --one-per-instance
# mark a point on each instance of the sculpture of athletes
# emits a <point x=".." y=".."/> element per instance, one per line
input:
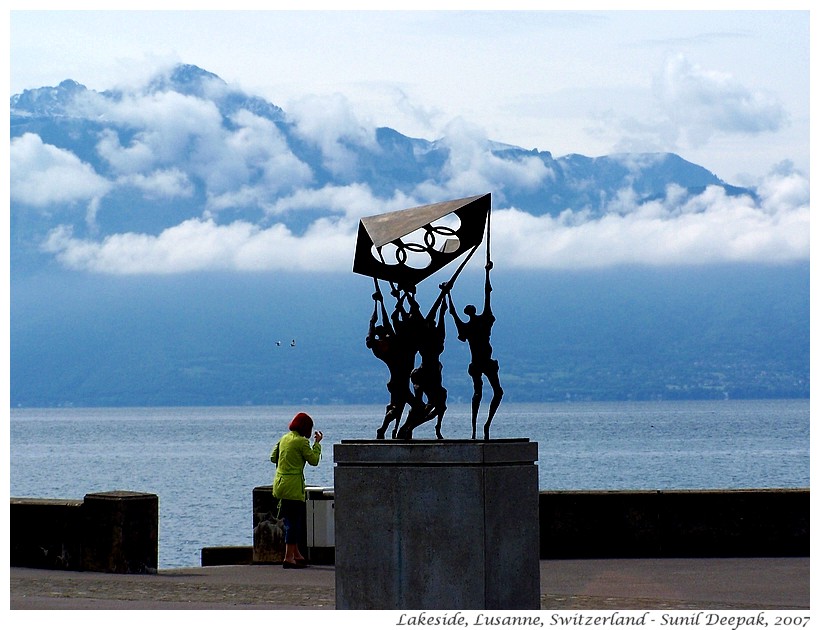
<point x="404" y="248"/>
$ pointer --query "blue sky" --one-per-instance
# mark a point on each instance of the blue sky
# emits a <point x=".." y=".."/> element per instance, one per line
<point x="725" y="89"/>
<point x="728" y="90"/>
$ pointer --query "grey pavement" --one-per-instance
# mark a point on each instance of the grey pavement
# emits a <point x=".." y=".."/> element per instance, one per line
<point x="620" y="584"/>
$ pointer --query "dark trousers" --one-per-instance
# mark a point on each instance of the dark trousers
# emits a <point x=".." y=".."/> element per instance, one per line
<point x="294" y="514"/>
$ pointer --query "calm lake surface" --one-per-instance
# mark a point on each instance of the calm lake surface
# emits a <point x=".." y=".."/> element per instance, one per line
<point x="203" y="462"/>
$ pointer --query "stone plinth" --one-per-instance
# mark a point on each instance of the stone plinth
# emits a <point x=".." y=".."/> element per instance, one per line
<point x="121" y="532"/>
<point x="445" y="525"/>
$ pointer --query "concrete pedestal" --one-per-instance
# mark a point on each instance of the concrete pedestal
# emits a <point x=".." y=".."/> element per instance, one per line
<point x="436" y="525"/>
<point x="121" y="532"/>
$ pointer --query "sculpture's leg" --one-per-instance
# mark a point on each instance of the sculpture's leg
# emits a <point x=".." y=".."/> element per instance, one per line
<point x="399" y="413"/>
<point x="498" y="394"/>
<point x="416" y="403"/>
<point x="421" y="413"/>
<point x="477" y="387"/>
<point x="389" y="414"/>
<point x="476" y="373"/>
<point x="438" y="425"/>
<point x="439" y="409"/>
<point x="396" y="428"/>
<point x="414" y="419"/>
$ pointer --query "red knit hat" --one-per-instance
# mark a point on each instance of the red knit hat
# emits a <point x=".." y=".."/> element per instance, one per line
<point x="302" y="424"/>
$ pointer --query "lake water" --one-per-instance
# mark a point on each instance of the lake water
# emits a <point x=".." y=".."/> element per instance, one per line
<point x="203" y="463"/>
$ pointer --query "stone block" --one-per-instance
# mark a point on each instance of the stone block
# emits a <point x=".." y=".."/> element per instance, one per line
<point x="46" y="533"/>
<point x="444" y="524"/>
<point x="121" y="532"/>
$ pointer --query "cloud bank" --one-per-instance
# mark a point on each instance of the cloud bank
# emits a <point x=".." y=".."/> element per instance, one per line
<point x="709" y="228"/>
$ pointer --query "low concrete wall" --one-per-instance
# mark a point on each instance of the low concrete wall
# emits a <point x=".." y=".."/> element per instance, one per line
<point x="661" y="524"/>
<point x="46" y="533"/>
<point x="220" y="556"/>
<point x="110" y="532"/>
<point x="674" y="524"/>
<point x="117" y="532"/>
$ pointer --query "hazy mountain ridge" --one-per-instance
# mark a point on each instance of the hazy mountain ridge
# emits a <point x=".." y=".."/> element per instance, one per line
<point x="640" y="334"/>
<point x="73" y="118"/>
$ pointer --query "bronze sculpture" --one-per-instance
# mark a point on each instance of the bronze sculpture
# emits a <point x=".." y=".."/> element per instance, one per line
<point x="420" y="246"/>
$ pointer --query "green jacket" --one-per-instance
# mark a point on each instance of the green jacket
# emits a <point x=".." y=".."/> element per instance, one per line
<point x="290" y="455"/>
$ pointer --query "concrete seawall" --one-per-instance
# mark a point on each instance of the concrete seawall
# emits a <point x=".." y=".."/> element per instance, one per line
<point x="753" y="523"/>
<point x="674" y="524"/>
<point x="109" y="532"/>
<point x="117" y="532"/>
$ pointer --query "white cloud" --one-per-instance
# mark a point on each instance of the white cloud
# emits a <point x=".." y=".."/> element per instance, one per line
<point x="784" y="188"/>
<point x="694" y="108"/>
<point x="418" y="115"/>
<point x="701" y="103"/>
<point x="710" y="228"/>
<point x="352" y="201"/>
<point x="561" y="65"/>
<point x="472" y="168"/>
<point x="246" y="165"/>
<point x="331" y="124"/>
<point x="42" y="175"/>
<point x="161" y="184"/>
<point x="202" y="245"/>
<point x="261" y="164"/>
<point x="136" y="157"/>
<point x="174" y="129"/>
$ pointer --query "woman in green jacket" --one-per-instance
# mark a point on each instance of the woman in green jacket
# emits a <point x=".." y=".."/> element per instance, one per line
<point x="290" y="454"/>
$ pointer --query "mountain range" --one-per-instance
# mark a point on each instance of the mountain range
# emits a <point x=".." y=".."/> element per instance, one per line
<point x="81" y="121"/>
<point x="122" y="166"/>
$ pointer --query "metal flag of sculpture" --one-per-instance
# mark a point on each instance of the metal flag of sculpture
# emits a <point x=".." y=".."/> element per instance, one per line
<point x="418" y="247"/>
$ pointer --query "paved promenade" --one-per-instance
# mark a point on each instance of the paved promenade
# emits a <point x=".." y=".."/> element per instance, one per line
<point x="634" y="584"/>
